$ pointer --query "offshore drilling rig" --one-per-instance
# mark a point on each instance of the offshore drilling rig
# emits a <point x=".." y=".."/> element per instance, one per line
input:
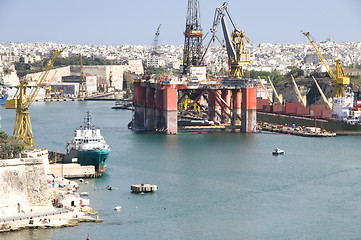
<point x="195" y="101"/>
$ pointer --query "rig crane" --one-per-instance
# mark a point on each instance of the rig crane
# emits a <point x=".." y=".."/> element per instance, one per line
<point x="340" y="79"/>
<point x="301" y="98"/>
<point x="235" y="43"/>
<point x="21" y="102"/>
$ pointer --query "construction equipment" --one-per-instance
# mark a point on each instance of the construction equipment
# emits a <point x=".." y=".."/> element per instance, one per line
<point x="155" y="41"/>
<point x="48" y="86"/>
<point x="21" y="102"/>
<point x="269" y="97"/>
<point x="237" y="56"/>
<point x="192" y="52"/>
<point x="279" y="97"/>
<point x="82" y="92"/>
<point x="302" y="99"/>
<point x="340" y="79"/>
<point x="329" y="105"/>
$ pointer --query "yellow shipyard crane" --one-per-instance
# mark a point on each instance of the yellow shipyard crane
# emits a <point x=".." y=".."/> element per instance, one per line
<point x="269" y="97"/>
<point x="279" y="97"/>
<point x="21" y="102"/>
<point x="340" y="79"/>
<point x="302" y="99"/>
<point x="329" y="105"/>
<point x="48" y="86"/>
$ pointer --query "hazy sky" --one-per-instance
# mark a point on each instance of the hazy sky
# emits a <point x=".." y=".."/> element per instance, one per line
<point x="117" y="22"/>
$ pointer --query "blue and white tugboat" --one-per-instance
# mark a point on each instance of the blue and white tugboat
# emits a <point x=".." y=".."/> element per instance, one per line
<point x="88" y="147"/>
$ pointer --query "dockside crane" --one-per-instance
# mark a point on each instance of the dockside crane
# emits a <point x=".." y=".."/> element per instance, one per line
<point x="235" y="43"/>
<point x="269" y="97"/>
<point x="329" y="105"/>
<point x="48" y="86"/>
<point x="21" y="102"/>
<point x="279" y="97"/>
<point x="340" y="79"/>
<point x="155" y="41"/>
<point x="302" y="99"/>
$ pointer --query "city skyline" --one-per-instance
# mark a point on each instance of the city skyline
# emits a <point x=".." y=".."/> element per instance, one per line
<point x="122" y="22"/>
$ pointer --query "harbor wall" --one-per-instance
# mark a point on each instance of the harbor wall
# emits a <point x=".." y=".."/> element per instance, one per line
<point x="329" y="125"/>
<point x="24" y="187"/>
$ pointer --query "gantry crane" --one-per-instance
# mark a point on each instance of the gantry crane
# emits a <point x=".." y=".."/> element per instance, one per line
<point x="302" y="99"/>
<point x="279" y="97"/>
<point x="329" y="105"/>
<point x="237" y="56"/>
<point x="340" y="79"/>
<point x="269" y="97"/>
<point x="21" y="102"/>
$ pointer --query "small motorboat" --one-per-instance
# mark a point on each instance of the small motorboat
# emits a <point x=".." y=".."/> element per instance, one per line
<point x="84" y="194"/>
<point x="278" y="151"/>
<point x="117" y="208"/>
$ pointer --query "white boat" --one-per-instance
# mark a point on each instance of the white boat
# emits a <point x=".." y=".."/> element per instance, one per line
<point x="83" y="194"/>
<point x="278" y="151"/>
<point x="88" y="147"/>
<point x="118" y="208"/>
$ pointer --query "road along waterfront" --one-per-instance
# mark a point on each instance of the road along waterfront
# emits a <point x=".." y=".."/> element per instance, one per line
<point x="211" y="186"/>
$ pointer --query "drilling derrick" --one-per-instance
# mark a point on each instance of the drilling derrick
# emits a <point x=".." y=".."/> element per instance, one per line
<point x="193" y="37"/>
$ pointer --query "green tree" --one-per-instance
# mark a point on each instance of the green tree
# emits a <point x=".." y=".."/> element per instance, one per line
<point x="10" y="147"/>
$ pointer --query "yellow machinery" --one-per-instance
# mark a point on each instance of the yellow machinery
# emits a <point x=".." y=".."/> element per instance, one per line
<point x="340" y="79"/>
<point x="329" y="105"/>
<point x="234" y="43"/>
<point x="279" y="97"/>
<point x="48" y="86"/>
<point x="242" y="57"/>
<point x="82" y="92"/>
<point x="269" y="97"/>
<point x="21" y="102"/>
<point x="302" y="99"/>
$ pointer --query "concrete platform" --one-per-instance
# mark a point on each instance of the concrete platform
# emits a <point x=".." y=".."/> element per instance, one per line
<point x="72" y="170"/>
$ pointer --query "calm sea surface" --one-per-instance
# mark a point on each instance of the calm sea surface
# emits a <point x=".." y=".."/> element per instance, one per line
<point x="211" y="186"/>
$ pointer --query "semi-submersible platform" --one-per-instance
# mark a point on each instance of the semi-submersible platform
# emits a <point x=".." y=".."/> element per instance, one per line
<point x="193" y="101"/>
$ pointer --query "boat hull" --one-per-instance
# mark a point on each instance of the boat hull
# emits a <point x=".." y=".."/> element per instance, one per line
<point x="96" y="158"/>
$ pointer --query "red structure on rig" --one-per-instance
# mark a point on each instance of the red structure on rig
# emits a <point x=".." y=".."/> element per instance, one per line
<point x="193" y="101"/>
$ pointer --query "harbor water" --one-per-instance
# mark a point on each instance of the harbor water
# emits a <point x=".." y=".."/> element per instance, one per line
<point x="211" y="186"/>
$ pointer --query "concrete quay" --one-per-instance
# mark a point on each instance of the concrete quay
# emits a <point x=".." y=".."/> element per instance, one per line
<point x="293" y="131"/>
<point x="72" y="170"/>
<point x="60" y="217"/>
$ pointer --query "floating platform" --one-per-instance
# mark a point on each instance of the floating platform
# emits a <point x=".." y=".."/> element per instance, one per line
<point x="143" y="188"/>
<point x="73" y="170"/>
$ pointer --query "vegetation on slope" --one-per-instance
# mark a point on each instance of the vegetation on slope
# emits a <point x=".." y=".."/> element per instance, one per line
<point x="10" y="147"/>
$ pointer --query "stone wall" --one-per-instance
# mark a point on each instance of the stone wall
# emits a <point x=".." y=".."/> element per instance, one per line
<point x="23" y="187"/>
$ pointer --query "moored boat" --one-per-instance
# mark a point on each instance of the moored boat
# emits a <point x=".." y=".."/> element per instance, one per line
<point x="88" y="147"/>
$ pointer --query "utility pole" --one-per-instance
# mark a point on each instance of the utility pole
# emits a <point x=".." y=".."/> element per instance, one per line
<point x="192" y="52"/>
